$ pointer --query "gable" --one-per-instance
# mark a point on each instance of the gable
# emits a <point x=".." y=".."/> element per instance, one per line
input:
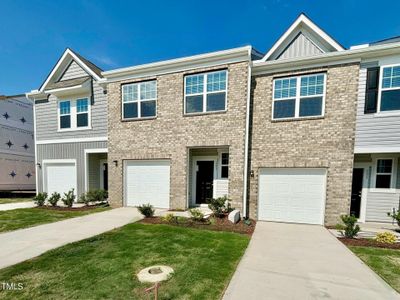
<point x="73" y="71"/>
<point x="300" y="46"/>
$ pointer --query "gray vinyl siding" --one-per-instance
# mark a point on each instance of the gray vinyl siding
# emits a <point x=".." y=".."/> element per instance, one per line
<point x="73" y="71"/>
<point x="67" y="151"/>
<point x="300" y="46"/>
<point x="47" y="122"/>
<point x="372" y="131"/>
<point x="379" y="204"/>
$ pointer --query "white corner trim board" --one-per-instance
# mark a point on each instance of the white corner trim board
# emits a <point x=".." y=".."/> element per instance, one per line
<point x="72" y="140"/>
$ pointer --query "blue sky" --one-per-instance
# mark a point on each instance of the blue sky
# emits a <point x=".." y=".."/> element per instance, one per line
<point x="116" y="33"/>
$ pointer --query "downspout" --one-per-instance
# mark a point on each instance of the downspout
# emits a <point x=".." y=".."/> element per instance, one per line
<point x="246" y="139"/>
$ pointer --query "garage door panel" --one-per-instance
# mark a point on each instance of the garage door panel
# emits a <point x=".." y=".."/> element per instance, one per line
<point x="60" y="177"/>
<point x="292" y="195"/>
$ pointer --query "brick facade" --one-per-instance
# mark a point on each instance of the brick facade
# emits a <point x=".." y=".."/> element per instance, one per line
<point x="324" y="142"/>
<point x="171" y="134"/>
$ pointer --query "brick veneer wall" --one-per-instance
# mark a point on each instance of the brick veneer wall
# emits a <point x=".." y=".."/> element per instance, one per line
<point x="171" y="134"/>
<point x="324" y="142"/>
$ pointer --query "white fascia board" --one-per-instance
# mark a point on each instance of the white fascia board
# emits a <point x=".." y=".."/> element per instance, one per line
<point x="76" y="89"/>
<point x="72" y="140"/>
<point x="303" y="19"/>
<point x="383" y="149"/>
<point x="179" y="64"/>
<point x="324" y="59"/>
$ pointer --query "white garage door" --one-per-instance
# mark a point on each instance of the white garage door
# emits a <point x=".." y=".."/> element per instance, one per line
<point x="147" y="181"/>
<point x="60" y="177"/>
<point x="292" y="195"/>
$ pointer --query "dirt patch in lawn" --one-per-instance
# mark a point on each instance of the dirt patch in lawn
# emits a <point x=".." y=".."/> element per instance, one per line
<point x="216" y="224"/>
<point x="64" y="208"/>
<point x="368" y="243"/>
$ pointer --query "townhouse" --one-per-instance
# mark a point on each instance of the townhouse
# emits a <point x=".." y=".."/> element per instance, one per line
<point x="303" y="133"/>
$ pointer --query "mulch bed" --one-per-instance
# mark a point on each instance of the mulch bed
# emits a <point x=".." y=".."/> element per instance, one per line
<point x="368" y="243"/>
<point x="64" y="208"/>
<point x="221" y="224"/>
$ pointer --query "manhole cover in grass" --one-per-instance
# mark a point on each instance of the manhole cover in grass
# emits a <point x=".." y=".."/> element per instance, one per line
<point x="155" y="274"/>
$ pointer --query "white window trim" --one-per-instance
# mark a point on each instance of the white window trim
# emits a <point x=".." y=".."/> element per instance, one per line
<point x="73" y="114"/>
<point x="298" y="97"/>
<point x="205" y="93"/>
<point x="380" y="90"/>
<point x="223" y="165"/>
<point x="393" y="177"/>
<point x="138" y="101"/>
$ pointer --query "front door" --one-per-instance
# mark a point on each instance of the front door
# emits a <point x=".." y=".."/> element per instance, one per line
<point x="356" y="189"/>
<point x="204" y="181"/>
<point x="104" y="169"/>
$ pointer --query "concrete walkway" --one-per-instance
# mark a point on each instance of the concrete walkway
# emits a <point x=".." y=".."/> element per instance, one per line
<point x="19" y="245"/>
<point x="11" y="206"/>
<point x="292" y="261"/>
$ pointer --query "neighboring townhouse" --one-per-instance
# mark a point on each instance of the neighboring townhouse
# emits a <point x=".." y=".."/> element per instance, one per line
<point x="17" y="144"/>
<point x="71" y="127"/>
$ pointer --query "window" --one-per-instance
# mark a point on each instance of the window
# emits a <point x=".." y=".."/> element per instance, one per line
<point x="390" y="89"/>
<point x="205" y="92"/>
<point x="74" y="114"/>
<point x="224" y="165"/>
<point x="383" y="173"/>
<point x="299" y="97"/>
<point x="139" y="100"/>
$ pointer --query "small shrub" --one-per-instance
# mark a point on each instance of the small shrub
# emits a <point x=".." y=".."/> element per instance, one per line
<point x="340" y="227"/>
<point x="351" y="228"/>
<point x="181" y="220"/>
<point x="97" y="195"/>
<point x="146" y="210"/>
<point x="84" y="199"/>
<point x="69" y="198"/>
<point x="386" y="237"/>
<point x="54" y="198"/>
<point x="196" y="214"/>
<point x="169" y="218"/>
<point x="219" y="206"/>
<point x="395" y="215"/>
<point x="40" y="199"/>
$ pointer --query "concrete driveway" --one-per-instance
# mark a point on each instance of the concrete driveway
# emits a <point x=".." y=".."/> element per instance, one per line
<point x="292" y="261"/>
<point x="19" y="245"/>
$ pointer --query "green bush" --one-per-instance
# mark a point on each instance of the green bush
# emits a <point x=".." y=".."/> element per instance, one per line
<point x="54" y="198"/>
<point x="169" y="218"/>
<point x="386" y="237"/>
<point x="196" y="214"/>
<point x="96" y="196"/>
<point x="219" y="206"/>
<point x="84" y="199"/>
<point x="69" y="198"/>
<point x="395" y="215"/>
<point x="146" y="210"/>
<point x="40" y="199"/>
<point x="351" y="228"/>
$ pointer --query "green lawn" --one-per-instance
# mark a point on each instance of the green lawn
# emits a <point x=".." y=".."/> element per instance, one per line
<point x="15" y="200"/>
<point x="105" y="266"/>
<point x="385" y="262"/>
<point x="27" y="217"/>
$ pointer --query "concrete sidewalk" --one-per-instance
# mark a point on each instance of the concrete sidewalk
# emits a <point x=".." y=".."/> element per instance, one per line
<point x="19" y="245"/>
<point x="11" y="206"/>
<point x="293" y="261"/>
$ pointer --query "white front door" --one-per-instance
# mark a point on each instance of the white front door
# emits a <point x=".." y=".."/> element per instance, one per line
<point x="147" y="181"/>
<point x="294" y="195"/>
<point x="59" y="177"/>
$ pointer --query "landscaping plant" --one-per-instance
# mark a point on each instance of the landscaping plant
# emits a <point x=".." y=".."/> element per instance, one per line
<point x="196" y="214"/>
<point x="146" y="210"/>
<point x="169" y="218"/>
<point x="69" y="198"/>
<point x="351" y="228"/>
<point x="219" y="206"/>
<point x="97" y="195"/>
<point x="54" y="198"/>
<point x="40" y="199"/>
<point x="84" y="199"/>
<point x="395" y="215"/>
<point x="386" y="237"/>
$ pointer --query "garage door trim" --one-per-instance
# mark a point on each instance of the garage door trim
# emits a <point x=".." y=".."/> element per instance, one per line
<point x="46" y="162"/>
<point x="324" y="173"/>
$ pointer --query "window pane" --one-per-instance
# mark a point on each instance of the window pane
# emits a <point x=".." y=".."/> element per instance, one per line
<point x="284" y="88"/>
<point x="194" y="84"/>
<point x="384" y="166"/>
<point x="194" y="104"/>
<point x="225" y="158"/>
<point x="65" y="108"/>
<point x="65" y="121"/>
<point x="216" y="102"/>
<point x="148" y="90"/>
<point x="284" y="108"/>
<point x="216" y="81"/>
<point x="224" y="172"/>
<point x="312" y="85"/>
<point x="390" y="100"/>
<point x="391" y="77"/>
<point x="383" y="181"/>
<point x="310" y="107"/>
<point x="130" y="110"/>
<point x="148" y="109"/>
<point x="81" y="105"/>
<point x="130" y="92"/>
<point x="82" y="120"/>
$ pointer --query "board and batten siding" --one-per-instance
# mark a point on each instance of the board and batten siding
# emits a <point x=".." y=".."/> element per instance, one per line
<point x="47" y="115"/>
<point x="73" y="71"/>
<point x="373" y="131"/>
<point x="299" y="47"/>
<point x="66" y="151"/>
